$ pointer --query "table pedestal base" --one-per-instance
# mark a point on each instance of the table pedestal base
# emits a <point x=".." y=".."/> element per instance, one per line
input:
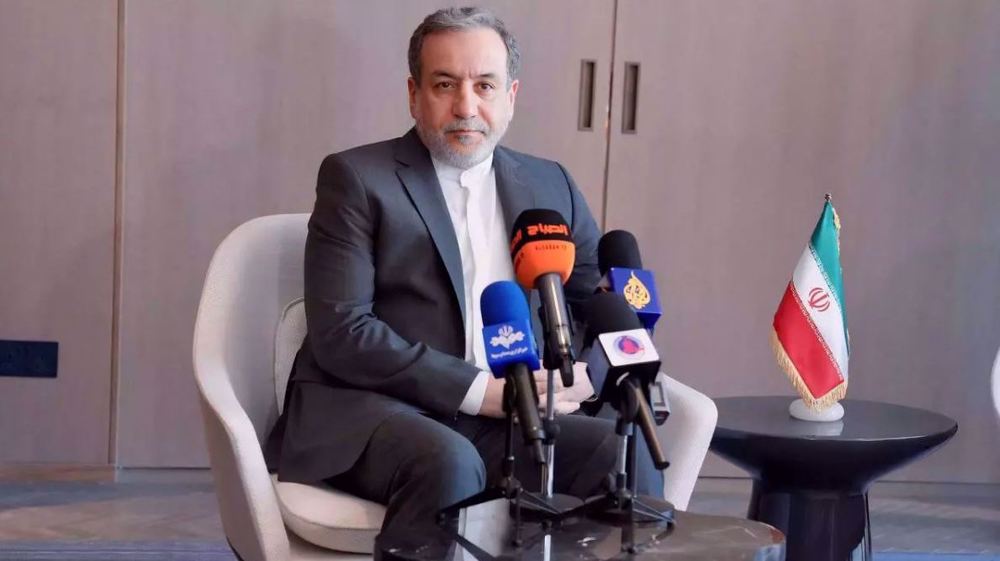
<point x="811" y="479"/>
<point x="818" y="525"/>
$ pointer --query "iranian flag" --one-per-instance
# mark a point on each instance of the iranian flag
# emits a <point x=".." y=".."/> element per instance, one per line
<point x="809" y="338"/>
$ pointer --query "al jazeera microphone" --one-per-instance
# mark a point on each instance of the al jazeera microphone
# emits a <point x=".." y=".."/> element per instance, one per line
<point x="621" y="269"/>
<point x="543" y="253"/>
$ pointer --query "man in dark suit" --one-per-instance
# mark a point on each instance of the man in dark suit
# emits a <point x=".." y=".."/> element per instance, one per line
<point x="389" y="398"/>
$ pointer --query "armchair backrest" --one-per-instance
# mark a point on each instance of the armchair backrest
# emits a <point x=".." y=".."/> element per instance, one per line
<point x="255" y="272"/>
<point x="996" y="383"/>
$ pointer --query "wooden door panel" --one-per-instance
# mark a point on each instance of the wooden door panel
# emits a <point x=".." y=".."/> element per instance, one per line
<point x="57" y="200"/>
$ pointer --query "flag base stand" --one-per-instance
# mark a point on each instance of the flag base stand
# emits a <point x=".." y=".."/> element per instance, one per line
<point x="801" y="411"/>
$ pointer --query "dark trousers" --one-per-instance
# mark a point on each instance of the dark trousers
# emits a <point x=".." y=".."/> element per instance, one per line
<point x="416" y="465"/>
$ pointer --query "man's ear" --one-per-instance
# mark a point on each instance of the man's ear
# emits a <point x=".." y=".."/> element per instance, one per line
<point x="512" y="94"/>
<point x="411" y="90"/>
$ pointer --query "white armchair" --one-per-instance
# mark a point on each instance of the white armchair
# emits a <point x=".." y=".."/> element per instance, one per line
<point x="255" y="273"/>
<point x="996" y="383"/>
<point x="250" y="324"/>
<point x="685" y="438"/>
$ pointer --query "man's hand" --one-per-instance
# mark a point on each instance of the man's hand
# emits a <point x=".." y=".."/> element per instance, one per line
<point x="493" y="399"/>
<point x="567" y="400"/>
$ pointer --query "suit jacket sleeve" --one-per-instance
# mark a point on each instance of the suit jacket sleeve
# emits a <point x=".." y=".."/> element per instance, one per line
<point x="586" y="275"/>
<point x="350" y="343"/>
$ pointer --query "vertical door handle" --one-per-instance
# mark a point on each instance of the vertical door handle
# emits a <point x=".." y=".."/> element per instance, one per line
<point x="630" y="98"/>
<point x="585" y="113"/>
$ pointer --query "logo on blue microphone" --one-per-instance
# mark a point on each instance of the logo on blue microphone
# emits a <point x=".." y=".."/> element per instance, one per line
<point x="630" y="346"/>
<point x="508" y="343"/>
<point x="506" y="337"/>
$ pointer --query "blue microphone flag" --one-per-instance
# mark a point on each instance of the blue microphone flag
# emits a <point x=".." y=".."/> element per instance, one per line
<point x="507" y="333"/>
<point x="639" y="289"/>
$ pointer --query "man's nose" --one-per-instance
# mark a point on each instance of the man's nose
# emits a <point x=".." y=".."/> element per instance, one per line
<point x="464" y="106"/>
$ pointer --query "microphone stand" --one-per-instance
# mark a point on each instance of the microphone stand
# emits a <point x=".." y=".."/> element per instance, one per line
<point x="551" y="428"/>
<point x="509" y="487"/>
<point x="552" y="361"/>
<point x="623" y="505"/>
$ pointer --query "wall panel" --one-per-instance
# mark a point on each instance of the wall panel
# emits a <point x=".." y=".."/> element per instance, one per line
<point x="748" y="112"/>
<point x="230" y="108"/>
<point x="57" y="185"/>
<point x="555" y="37"/>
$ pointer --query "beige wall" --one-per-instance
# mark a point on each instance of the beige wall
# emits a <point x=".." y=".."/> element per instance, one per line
<point x="222" y="124"/>
<point x="57" y="185"/>
<point x="748" y="113"/>
<point x="752" y="111"/>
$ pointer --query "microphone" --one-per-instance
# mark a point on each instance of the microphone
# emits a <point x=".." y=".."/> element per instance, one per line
<point x="621" y="269"/>
<point x="511" y="354"/>
<point x="543" y="253"/>
<point x="625" y="362"/>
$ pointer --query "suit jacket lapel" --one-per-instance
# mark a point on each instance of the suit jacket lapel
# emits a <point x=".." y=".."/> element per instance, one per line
<point x="420" y="180"/>
<point x="515" y="194"/>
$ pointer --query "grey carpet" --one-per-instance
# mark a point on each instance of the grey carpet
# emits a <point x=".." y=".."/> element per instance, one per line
<point x="88" y="550"/>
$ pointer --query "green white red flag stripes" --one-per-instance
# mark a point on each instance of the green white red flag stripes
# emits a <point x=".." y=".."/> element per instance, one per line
<point x="809" y="335"/>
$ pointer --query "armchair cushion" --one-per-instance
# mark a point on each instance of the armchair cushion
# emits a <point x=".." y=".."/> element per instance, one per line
<point x="329" y="518"/>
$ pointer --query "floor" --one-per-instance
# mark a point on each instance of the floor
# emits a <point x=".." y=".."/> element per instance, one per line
<point x="125" y="514"/>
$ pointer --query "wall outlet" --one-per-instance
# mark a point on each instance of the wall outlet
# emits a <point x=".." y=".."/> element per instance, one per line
<point x="29" y="359"/>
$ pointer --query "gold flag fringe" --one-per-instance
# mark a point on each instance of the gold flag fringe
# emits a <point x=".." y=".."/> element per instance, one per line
<point x="831" y="397"/>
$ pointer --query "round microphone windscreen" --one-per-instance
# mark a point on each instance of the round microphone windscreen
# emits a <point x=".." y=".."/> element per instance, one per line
<point x="503" y="301"/>
<point x="618" y="248"/>
<point x="608" y="312"/>
<point x="541" y="243"/>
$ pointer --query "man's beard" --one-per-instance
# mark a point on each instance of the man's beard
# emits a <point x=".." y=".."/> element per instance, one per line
<point x="437" y="143"/>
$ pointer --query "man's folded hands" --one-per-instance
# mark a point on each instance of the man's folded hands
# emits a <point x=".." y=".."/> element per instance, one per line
<point x="566" y="399"/>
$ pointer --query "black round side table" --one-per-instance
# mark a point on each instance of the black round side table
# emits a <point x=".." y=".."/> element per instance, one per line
<point x="810" y="480"/>
<point x="694" y="537"/>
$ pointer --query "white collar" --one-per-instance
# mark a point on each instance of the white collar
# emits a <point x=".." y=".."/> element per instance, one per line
<point x="464" y="177"/>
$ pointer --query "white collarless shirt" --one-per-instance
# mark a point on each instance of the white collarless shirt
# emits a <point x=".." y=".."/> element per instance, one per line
<point x="477" y="216"/>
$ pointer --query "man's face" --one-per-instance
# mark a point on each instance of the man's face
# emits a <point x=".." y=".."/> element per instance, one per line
<point x="462" y="106"/>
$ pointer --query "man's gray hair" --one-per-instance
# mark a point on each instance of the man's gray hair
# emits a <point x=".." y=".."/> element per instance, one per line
<point x="462" y="19"/>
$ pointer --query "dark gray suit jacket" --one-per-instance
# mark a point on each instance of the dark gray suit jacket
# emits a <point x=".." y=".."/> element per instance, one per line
<point x="384" y="297"/>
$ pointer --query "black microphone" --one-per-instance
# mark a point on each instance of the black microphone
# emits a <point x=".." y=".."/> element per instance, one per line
<point x="624" y="362"/>
<point x="543" y="253"/>
<point x="621" y="269"/>
<point x="618" y="248"/>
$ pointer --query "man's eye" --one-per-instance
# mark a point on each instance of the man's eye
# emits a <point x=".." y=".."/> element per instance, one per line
<point x="486" y="86"/>
<point x="443" y="85"/>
